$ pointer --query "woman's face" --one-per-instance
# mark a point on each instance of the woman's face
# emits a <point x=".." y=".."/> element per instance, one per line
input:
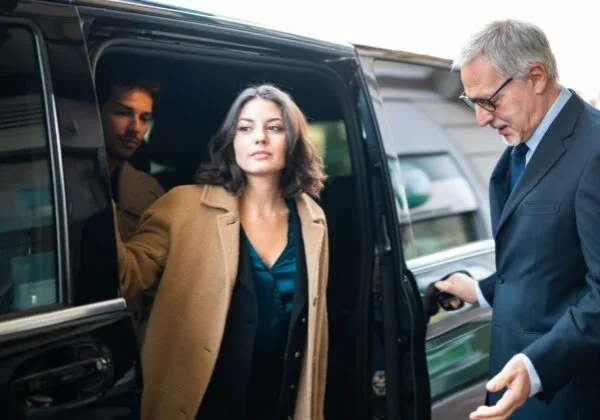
<point x="260" y="139"/>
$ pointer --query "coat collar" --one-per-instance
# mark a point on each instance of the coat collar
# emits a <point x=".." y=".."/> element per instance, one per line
<point x="312" y="220"/>
<point x="219" y="198"/>
<point x="309" y="210"/>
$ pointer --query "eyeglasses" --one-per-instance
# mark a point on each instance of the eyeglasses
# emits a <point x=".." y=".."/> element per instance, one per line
<point x="484" y="103"/>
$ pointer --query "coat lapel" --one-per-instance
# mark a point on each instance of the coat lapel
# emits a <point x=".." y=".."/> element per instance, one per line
<point x="228" y="225"/>
<point x="312" y="224"/>
<point x="548" y="152"/>
<point x="313" y="233"/>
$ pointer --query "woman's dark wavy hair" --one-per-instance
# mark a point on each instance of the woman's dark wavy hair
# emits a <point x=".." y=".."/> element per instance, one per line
<point x="303" y="171"/>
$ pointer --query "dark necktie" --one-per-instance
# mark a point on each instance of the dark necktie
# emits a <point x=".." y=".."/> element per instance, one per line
<point x="517" y="164"/>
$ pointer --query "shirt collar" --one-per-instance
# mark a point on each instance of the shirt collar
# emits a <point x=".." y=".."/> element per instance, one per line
<point x="542" y="128"/>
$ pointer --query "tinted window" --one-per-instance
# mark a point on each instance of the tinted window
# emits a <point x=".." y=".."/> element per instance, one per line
<point x="331" y="142"/>
<point x="28" y="270"/>
<point x="436" y="234"/>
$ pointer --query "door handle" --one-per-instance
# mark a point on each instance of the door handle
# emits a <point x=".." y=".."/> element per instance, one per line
<point x="61" y="375"/>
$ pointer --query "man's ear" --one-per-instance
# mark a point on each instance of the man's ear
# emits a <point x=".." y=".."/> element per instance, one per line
<point x="538" y="77"/>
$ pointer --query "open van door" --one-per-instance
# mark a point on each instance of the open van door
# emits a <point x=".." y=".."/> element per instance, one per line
<point x="442" y="213"/>
<point x="400" y="380"/>
<point x="67" y="346"/>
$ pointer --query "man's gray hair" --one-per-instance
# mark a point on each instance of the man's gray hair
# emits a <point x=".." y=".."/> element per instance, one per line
<point x="511" y="46"/>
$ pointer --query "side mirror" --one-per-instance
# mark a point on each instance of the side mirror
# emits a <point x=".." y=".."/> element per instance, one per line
<point x="417" y="184"/>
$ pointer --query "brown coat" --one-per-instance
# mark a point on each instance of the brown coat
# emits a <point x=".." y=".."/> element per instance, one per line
<point x="136" y="192"/>
<point x="189" y="240"/>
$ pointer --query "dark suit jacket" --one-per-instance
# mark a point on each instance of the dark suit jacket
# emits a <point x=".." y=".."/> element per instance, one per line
<point x="546" y="290"/>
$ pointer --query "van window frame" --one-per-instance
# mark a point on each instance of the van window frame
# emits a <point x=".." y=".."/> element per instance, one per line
<point x="344" y="91"/>
<point x="57" y="190"/>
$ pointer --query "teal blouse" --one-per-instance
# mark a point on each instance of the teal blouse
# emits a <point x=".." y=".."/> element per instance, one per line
<point x="275" y="294"/>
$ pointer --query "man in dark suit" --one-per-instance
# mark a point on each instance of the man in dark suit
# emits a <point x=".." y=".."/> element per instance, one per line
<point x="545" y="208"/>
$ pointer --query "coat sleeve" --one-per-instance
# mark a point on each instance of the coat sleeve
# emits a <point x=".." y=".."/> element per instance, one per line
<point x="142" y="257"/>
<point x="487" y="287"/>
<point x="572" y="345"/>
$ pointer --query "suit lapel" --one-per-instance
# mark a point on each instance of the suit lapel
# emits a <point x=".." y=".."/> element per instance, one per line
<point x="547" y="153"/>
<point x="498" y="188"/>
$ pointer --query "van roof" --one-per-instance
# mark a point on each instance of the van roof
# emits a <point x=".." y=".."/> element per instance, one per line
<point x="168" y="10"/>
<point x="403" y="56"/>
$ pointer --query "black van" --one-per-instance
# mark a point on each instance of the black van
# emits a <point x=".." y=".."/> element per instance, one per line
<point x="67" y="346"/>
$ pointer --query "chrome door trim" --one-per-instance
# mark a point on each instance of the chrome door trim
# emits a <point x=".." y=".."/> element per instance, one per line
<point x="45" y="320"/>
<point x="429" y="262"/>
<point x="473" y="316"/>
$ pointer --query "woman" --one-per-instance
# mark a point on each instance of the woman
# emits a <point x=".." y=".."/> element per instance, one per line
<point x="239" y="325"/>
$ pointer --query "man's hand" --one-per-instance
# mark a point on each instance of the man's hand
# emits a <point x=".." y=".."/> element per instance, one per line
<point x="515" y="378"/>
<point x="459" y="285"/>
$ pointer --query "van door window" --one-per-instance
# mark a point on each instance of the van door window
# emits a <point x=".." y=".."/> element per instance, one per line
<point x="28" y="263"/>
<point x="414" y="99"/>
<point x="441" y="204"/>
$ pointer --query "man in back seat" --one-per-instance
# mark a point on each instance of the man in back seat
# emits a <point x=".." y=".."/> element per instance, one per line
<point x="126" y="105"/>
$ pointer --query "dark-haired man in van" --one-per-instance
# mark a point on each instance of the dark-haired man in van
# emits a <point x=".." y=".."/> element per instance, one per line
<point x="126" y="107"/>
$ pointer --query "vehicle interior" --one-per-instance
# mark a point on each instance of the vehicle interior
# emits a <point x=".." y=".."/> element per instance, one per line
<point x="196" y="92"/>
